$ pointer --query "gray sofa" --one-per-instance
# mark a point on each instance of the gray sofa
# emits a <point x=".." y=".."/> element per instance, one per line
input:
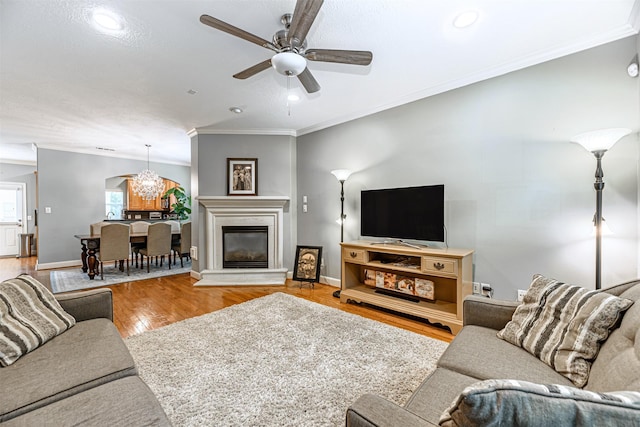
<point x="84" y="376"/>
<point x="476" y="354"/>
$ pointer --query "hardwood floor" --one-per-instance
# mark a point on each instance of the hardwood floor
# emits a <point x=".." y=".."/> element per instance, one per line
<point x="152" y="303"/>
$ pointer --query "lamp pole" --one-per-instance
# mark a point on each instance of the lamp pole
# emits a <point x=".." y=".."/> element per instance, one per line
<point x="599" y="186"/>
<point x="598" y="142"/>
<point x="342" y="215"/>
<point x="342" y="175"/>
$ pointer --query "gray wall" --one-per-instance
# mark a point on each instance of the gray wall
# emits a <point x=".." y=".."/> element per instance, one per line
<point x="73" y="186"/>
<point x="26" y="174"/>
<point x="197" y="214"/>
<point x="516" y="190"/>
<point x="276" y="177"/>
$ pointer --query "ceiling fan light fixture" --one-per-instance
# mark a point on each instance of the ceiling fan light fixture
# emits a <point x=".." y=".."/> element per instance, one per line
<point x="288" y="63"/>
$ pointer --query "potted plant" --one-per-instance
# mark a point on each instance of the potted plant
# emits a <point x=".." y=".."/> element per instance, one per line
<point x="183" y="202"/>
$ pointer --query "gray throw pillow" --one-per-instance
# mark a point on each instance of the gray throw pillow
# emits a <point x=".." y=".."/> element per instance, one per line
<point x="29" y="316"/>
<point x="522" y="403"/>
<point x="563" y="325"/>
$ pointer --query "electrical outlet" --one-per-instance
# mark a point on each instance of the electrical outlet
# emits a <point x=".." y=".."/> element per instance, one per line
<point x="477" y="289"/>
<point x="521" y="293"/>
<point x="194" y="252"/>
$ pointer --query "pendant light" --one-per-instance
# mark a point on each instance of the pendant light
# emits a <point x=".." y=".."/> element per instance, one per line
<point x="147" y="184"/>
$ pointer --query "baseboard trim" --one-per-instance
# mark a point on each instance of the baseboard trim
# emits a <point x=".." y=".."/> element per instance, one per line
<point x="330" y="281"/>
<point x="54" y="265"/>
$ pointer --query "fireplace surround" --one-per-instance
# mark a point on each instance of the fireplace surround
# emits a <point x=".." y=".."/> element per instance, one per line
<point x="243" y="211"/>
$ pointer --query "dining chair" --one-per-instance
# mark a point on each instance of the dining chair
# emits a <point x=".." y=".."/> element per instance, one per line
<point x="138" y="227"/>
<point x="182" y="247"/>
<point x="175" y="225"/>
<point x="158" y="243"/>
<point x="114" y="245"/>
<point x="175" y="235"/>
<point x="94" y="229"/>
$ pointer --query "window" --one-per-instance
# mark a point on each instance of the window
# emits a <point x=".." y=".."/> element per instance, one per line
<point x="8" y="205"/>
<point x="114" y="204"/>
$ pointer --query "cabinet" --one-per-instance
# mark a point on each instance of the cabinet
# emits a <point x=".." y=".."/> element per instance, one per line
<point x="448" y="273"/>
<point x="137" y="203"/>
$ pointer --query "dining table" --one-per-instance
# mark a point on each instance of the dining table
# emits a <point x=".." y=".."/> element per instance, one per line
<point x="90" y="244"/>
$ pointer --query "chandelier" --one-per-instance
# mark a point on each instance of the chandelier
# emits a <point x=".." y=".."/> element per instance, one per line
<point x="147" y="184"/>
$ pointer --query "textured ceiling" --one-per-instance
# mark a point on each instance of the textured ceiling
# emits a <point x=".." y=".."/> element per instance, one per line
<point x="65" y="85"/>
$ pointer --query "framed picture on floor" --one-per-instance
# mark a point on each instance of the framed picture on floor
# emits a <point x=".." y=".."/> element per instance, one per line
<point x="308" y="261"/>
<point x="242" y="177"/>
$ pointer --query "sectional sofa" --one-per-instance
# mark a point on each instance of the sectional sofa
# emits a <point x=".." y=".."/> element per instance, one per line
<point x="83" y="376"/>
<point x="482" y="379"/>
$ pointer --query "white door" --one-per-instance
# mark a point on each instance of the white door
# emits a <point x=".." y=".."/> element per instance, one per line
<point x="12" y="216"/>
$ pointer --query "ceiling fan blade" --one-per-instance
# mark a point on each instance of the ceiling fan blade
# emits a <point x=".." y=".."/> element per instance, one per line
<point x="235" y="31"/>
<point x="308" y="81"/>
<point x="252" y="71"/>
<point x="304" y="14"/>
<point x="355" y="57"/>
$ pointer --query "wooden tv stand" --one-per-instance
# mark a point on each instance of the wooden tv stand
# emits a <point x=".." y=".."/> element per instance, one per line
<point x="450" y="270"/>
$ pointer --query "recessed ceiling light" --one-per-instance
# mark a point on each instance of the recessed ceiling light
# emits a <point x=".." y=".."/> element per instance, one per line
<point x="236" y="110"/>
<point x="466" y="19"/>
<point x="107" y="20"/>
<point x="191" y="92"/>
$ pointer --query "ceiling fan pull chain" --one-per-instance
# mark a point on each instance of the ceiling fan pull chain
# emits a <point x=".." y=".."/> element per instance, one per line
<point x="288" y="93"/>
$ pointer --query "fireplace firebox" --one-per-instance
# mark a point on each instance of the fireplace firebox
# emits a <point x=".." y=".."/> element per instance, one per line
<point x="245" y="247"/>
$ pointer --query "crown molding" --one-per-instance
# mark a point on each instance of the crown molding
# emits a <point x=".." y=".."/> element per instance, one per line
<point x="518" y="64"/>
<point x="634" y="16"/>
<point x="215" y="131"/>
<point x="108" y="154"/>
<point x="19" y="162"/>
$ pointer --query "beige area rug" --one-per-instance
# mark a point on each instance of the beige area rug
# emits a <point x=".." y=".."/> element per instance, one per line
<point x="76" y="279"/>
<point x="278" y="360"/>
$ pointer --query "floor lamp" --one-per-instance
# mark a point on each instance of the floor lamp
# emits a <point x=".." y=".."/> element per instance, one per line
<point x="598" y="142"/>
<point x="342" y="175"/>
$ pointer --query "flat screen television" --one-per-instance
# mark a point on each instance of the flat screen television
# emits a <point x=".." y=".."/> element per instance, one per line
<point x="404" y="213"/>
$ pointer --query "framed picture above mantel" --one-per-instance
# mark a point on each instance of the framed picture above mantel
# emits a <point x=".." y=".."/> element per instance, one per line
<point x="242" y="177"/>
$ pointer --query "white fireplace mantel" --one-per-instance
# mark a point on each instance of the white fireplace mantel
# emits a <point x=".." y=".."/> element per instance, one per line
<point x="243" y="201"/>
<point x="243" y="210"/>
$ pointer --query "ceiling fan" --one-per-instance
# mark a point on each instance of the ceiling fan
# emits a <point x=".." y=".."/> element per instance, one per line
<point x="290" y="46"/>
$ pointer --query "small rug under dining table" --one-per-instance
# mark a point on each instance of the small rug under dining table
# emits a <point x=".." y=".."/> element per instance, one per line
<point x="75" y="279"/>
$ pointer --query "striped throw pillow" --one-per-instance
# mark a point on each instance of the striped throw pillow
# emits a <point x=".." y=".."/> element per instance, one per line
<point x="522" y="403"/>
<point x="563" y="325"/>
<point x="29" y="316"/>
